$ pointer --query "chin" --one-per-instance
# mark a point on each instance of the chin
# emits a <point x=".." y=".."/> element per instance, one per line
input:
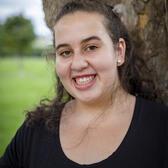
<point x="88" y="99"/>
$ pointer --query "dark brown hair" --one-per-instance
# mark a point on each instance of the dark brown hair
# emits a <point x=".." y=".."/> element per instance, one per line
<point x="131" y="75"/>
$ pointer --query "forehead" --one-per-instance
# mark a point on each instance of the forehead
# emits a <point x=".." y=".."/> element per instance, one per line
<point x="79" y="25"/>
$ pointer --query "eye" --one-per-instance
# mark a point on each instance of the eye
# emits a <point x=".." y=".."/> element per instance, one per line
<point x="91" y="48"/>
<point x="66" y="53"/>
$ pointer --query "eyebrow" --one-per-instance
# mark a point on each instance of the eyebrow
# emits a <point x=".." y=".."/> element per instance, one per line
<point x="83" y="41"/>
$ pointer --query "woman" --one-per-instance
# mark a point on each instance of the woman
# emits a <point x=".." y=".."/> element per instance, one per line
<point x="97" y="118"/>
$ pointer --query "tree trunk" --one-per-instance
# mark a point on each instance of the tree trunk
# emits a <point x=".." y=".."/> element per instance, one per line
<point x="147" y="21"/>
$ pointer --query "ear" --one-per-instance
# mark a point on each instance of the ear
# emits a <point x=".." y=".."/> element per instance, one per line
<point x="121" y="48"/>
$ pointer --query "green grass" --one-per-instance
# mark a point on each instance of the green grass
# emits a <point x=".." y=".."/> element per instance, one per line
<point x="23" y="83"/>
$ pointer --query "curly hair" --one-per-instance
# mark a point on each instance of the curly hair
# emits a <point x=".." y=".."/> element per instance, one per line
<point x="131" y="76"/>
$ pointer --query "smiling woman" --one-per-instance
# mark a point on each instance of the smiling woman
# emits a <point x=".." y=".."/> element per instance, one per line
<point x="98" y="118"/>
<point x="83" y="71"/>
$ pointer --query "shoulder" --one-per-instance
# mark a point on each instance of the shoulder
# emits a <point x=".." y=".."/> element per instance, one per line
<point x="23" y="144"/>
<point x="151" y="106"/>
<point x="151" y="113"/>
<point x="27" y="128"/>
<point x="25" y="134"/>
<point x="28" y="132"/>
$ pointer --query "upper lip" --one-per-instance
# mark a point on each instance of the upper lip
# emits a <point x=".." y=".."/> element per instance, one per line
<point x="83" y="75"/>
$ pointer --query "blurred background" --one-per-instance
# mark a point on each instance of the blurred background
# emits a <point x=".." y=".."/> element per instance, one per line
<point x="25" y="75"/>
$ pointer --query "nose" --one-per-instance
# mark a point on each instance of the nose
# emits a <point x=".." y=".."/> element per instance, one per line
<point x="79" y="62"/>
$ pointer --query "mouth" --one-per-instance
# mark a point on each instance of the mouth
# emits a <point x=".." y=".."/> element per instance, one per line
<point x="84" y="81"/>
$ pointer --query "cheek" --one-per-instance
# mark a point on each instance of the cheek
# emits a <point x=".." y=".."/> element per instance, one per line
<point x="61" y="69"/>
<point x="104" y="64"/>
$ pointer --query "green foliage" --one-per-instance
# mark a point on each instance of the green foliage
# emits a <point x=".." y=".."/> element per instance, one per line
<point x="20" y="92"/>
<point x="17" y="35"/>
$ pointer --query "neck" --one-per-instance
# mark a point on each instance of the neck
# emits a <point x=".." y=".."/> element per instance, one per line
<point x="92" y="110"/>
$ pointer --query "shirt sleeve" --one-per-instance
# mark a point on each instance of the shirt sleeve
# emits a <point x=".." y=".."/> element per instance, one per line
<point x="17" y="149"/>
<point x="166" y="142"/>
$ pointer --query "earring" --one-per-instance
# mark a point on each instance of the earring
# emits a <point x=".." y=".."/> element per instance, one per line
<point x="118" y="62"/>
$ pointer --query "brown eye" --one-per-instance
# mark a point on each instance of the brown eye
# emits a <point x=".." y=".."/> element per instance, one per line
<point x="91" y="48"/>
<point x="65" y="53"/>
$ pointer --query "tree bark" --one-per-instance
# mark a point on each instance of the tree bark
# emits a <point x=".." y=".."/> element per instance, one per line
<point x="147" y="21"/>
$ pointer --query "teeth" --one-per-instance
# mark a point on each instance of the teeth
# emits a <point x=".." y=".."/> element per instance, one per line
<point x="84" y="80"/>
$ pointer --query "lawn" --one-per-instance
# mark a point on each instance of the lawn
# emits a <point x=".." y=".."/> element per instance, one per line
<point x="23" y="83"/>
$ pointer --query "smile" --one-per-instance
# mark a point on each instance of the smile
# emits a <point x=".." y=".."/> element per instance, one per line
<point x="84" y="82"/>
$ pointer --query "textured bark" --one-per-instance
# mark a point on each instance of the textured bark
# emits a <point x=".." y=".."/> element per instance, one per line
<point x="147" y="21"/>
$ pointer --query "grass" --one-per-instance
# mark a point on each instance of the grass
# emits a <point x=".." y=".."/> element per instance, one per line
<point x="23" y="83"/>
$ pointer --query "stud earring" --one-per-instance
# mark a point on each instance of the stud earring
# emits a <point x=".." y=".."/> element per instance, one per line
<point x="118" y="62"/>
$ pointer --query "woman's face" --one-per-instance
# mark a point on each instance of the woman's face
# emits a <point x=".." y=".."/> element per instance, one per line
<point x="86" y="61"/>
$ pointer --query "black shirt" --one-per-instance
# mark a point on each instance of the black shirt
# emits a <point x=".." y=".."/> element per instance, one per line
<point x="144" y="146"/>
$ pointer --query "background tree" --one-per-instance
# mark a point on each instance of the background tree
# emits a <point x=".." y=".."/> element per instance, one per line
<point x="17" y="35"/>
<point x="147" y="21"/>
<point x="2" y="39"/>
